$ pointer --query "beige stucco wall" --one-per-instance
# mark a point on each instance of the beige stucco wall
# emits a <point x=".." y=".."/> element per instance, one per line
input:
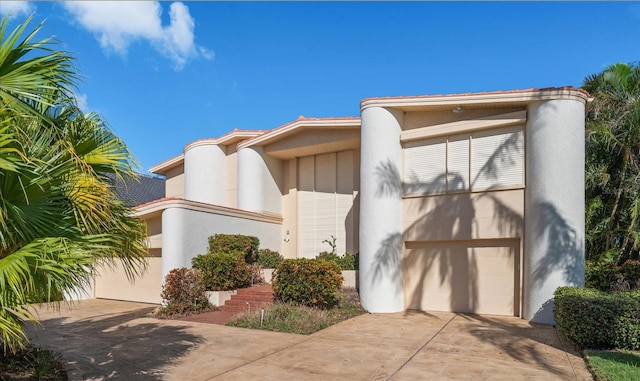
<point x="290" y="209"/>
<point x="314" y="142"/>
<point x="174" y="184"/>
<point x="112" y="282"/>
<point x="482" y="215"/>
<point x="419" y="119"/>
<point x="154" y="228"/>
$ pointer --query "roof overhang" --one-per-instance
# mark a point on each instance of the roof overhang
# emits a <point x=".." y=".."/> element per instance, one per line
<point x="167" y="165"/>
<point x="155" y="208"/>
<point x="484" y="100"/>
<point x="308" y="136"/>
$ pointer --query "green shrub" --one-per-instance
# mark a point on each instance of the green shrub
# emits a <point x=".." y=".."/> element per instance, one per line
<point x="328" y="256"/>
<point x="32" y="363"/>
<point x="601" y="276"/>
<point x="631" y="272"/>
<point x="349" y="261"/>
<point x="612" y="277"/>
<point x="307" y="282"/>
<point x="269" y="259"/>
<point x="184" y="293"/>
<point x="223" y="271"/>
<point x="346" y="262"/>
<point x="597" y="319"/>
<point x="228" y="243"/>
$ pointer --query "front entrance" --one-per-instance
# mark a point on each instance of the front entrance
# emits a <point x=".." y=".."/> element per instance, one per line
<point x="325" y="203"/>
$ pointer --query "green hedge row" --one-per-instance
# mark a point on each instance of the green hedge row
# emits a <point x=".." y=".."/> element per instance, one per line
<point x="598" y="319"/>
<point x="269" y="259"/>
<point x="309" y="282"/>
<point x="230" y="243"/>
<point x="223" y="271"/>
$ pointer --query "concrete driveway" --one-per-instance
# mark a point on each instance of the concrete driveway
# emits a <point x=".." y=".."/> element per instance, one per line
<point x="104" y="339"/>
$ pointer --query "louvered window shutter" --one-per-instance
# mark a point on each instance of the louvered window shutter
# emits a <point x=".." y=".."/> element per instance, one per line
<point x="497" y="158"/>
<point x="425" y="165"/>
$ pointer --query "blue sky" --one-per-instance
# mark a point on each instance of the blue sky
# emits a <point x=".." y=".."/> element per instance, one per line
<point x="164" y="74"/>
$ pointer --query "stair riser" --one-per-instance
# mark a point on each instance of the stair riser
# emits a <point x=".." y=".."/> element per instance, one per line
<point x="255" y="294"/>
<point x="252" y="298"/>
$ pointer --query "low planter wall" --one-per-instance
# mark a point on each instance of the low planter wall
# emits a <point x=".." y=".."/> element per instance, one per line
<point x="217" y="298"/>
<point x="351" y="277"/>
<point x="268" y="275"/>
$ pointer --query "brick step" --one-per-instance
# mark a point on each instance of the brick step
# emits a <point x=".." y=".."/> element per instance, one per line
<point x="236" y="302"/>
<point x="268" y="294"/>
<point x="257" y="297"/>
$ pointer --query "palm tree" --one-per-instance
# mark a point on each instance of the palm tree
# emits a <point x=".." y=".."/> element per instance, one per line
<point x="59" y="218"/>
<point x="613" y="164"/>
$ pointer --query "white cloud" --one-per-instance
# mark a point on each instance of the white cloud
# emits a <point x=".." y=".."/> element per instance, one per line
<point x="117" y="24"/>
<point x="81" y="100"/>
<point x="16" y="8"/>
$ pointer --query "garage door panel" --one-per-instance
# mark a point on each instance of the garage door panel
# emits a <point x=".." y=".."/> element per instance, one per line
<point x="112" y="283"/>
<point x="463" y="276"/>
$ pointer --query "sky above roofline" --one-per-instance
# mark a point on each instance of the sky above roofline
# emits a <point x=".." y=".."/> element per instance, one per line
<point x="164" y="74"/>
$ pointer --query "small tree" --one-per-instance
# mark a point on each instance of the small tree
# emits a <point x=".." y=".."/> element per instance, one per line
<point x="183" y="292"/>
<point x="613" y="164"/>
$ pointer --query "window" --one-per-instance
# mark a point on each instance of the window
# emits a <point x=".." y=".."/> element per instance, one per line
<point x="491" y="159"/>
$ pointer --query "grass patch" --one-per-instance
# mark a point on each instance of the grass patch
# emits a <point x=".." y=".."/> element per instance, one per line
<point x="32" y="363"/>
<point x="284" y="317"/>
<point x="614" y="365"/>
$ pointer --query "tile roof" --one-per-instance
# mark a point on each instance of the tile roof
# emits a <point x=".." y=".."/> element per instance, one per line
<point x="138" y="190"/>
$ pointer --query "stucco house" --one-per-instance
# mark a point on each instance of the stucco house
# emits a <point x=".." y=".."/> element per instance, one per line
<point x="463" y="202"/>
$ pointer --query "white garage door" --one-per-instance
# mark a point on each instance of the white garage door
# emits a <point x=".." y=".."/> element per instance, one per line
<point x="470" y="276"/>
<point x="113" y="284"/>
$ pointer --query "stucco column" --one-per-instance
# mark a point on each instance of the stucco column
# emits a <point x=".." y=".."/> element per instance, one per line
<point x="250" y="179"/>
<point x="554" y="204"/>
<point x="381" y="245"/>
<point x="174" y="233"/>
<point x="204" y="173"/>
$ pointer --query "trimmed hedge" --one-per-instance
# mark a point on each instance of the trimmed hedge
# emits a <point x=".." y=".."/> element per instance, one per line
<point x="307" y="282"/>
<point x="269" y="259"/>
<point x="229" y="243"/>
<point x="597" y="319"/>
<point x="223" y="271"/>
<point x="346" y="262"/>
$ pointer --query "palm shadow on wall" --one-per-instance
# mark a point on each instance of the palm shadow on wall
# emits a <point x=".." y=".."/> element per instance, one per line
<point x="452" y="217"/>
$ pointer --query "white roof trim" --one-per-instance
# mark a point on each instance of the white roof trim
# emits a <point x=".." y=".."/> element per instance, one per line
<point x="157" y="207"/>
<point x="523" y="96"/>
<point x="301" y="124"/>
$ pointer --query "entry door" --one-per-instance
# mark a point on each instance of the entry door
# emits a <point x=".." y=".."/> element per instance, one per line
<point x="325" y="202"/>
